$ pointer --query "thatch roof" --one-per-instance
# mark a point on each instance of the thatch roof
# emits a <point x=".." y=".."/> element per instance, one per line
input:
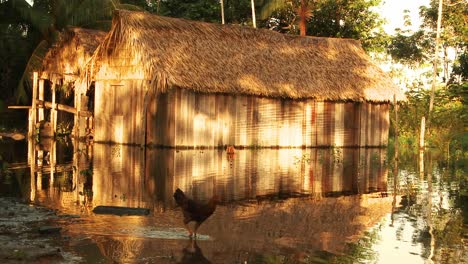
<point x="236" y="59"/>
<point x="71" y="53"/>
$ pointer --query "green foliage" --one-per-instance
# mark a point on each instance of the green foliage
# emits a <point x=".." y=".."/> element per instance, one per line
<point x="330" y="18"/>
<point x="235" y="11"/>
<point x="349" y="19"/>
<point x="460" y="69"/>
<point x="449" y="118"/>
<point x="32" y="30"/>
<point x="412" y="48"/>
<point x="409" y="48"/>
<point x="454" y="23"/>
<point x="15" y="49"/>
<point x="204" y="10"/>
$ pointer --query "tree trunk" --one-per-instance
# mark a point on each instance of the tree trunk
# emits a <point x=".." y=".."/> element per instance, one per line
<point x="303" y="22"/>
<point x="436" y="55"/>
<point x="222" y="11"/>
<point x="254" y="20"/>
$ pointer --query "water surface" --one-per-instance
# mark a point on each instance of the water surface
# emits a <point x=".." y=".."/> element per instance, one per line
<point x="338" y="205"/>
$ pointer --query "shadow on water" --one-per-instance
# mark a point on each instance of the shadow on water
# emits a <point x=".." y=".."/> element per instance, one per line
<point x="278" y="206"/>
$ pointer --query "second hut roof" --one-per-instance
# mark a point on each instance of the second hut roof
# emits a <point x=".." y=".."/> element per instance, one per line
<point x="235" y="59"/>
<point x="73" y="50"/>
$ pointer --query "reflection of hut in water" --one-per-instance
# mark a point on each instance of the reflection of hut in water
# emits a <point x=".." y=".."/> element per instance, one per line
<point x="171" y="82"/>
<point x="152" y="175"/>
<point x="339" y="198"/>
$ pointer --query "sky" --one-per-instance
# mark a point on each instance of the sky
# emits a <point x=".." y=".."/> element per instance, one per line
<point x="392" y="11"/>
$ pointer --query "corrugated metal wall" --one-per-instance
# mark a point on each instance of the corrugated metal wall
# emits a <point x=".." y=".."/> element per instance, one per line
<point x="187" y="119"/>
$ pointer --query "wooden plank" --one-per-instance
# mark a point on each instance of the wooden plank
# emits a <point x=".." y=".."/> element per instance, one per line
<point x="99" y="110"/>
<point x="220" y="106"/>
<point x="232" y="112"/>
<point x="328" y="124"/>
<point x="241" y="120"/>
<point x="351" y="124"/>
<point x="313" y="123"/>
<point x="119" y="210"/>
<point x="152" y="127"/>
<point x="306" y="116"/>
<point x="162" y="120"/>
<point x="385" y="119"/>
<point x="364" y="117"/>
<point x="198" y="122"/>
<point x="181" y="118"/>
<point x="61" y="107"/>
<point x="339" y="129"/>
<point x="377" y="126"/>
<point x="170" y="129"/>
<point x="190" y="102"/>
<point x="369" y="127"/>
<point x="320" y="116"/>
<point x="213" y="125"/>
<point x="252" y="122"/>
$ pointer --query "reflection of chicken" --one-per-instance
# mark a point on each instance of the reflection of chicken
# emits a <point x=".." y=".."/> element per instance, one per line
<point x="193" y="254"/>
<point x="194" y="210"/>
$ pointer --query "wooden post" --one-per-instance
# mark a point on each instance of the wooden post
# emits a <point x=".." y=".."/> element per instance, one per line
<point x="41" y="97"/>
<point x="40" y="165"/>
<point x="395" y="162"/>
<point x="76" y="126"/>
<point x="422" y="132"/>
<point x="32" y="116"/>
<point x="396" y="127"/>
<point x="53" y="112"/>
<point x="32" y="162"/>
<point x="52" y="160"/>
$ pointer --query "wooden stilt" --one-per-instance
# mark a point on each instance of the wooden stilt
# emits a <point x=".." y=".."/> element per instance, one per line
<point x="422" y="133"/>
<point x="41" y="97"/>
<point x="32" y="116"/>
<point x="53" y="112"/>
<point x="76" y="125"/>
<point x="32" y="161"/>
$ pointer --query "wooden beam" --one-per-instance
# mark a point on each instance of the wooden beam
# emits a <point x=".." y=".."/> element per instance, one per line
<point x="61" y="107"/>
<point x="19" y="107"/>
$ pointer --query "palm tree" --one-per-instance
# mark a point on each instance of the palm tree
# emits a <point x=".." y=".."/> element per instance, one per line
<point x="49" y="17"/>
<point x="302" y="8"/>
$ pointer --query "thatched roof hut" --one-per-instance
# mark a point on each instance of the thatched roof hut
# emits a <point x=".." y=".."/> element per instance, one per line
<point x="234" y="59"/>
<point x="71" y="53"/>
<point x="178" y="83"/>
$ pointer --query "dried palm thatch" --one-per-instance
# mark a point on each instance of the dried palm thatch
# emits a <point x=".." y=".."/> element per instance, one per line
<point x="234" y="59"/>
<point x="70" y="54"/>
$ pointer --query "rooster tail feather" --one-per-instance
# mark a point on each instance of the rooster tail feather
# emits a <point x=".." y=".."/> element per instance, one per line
<point x="180" y="197"/>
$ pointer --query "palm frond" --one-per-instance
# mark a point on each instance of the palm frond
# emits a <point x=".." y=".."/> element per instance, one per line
<point x="271" y="6"/>
<point x="34" y="64"/>
<point x="39" y="19"/>
<point x="130" y="7"/>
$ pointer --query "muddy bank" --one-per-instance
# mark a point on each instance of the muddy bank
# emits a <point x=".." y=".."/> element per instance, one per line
<point x="30" y="234"/>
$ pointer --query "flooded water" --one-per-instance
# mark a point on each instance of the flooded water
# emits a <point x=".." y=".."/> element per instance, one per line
<point x="277" y="205"/>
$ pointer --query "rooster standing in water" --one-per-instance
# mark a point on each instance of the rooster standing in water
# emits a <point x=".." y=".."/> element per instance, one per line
<point x="194" y="210"/>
